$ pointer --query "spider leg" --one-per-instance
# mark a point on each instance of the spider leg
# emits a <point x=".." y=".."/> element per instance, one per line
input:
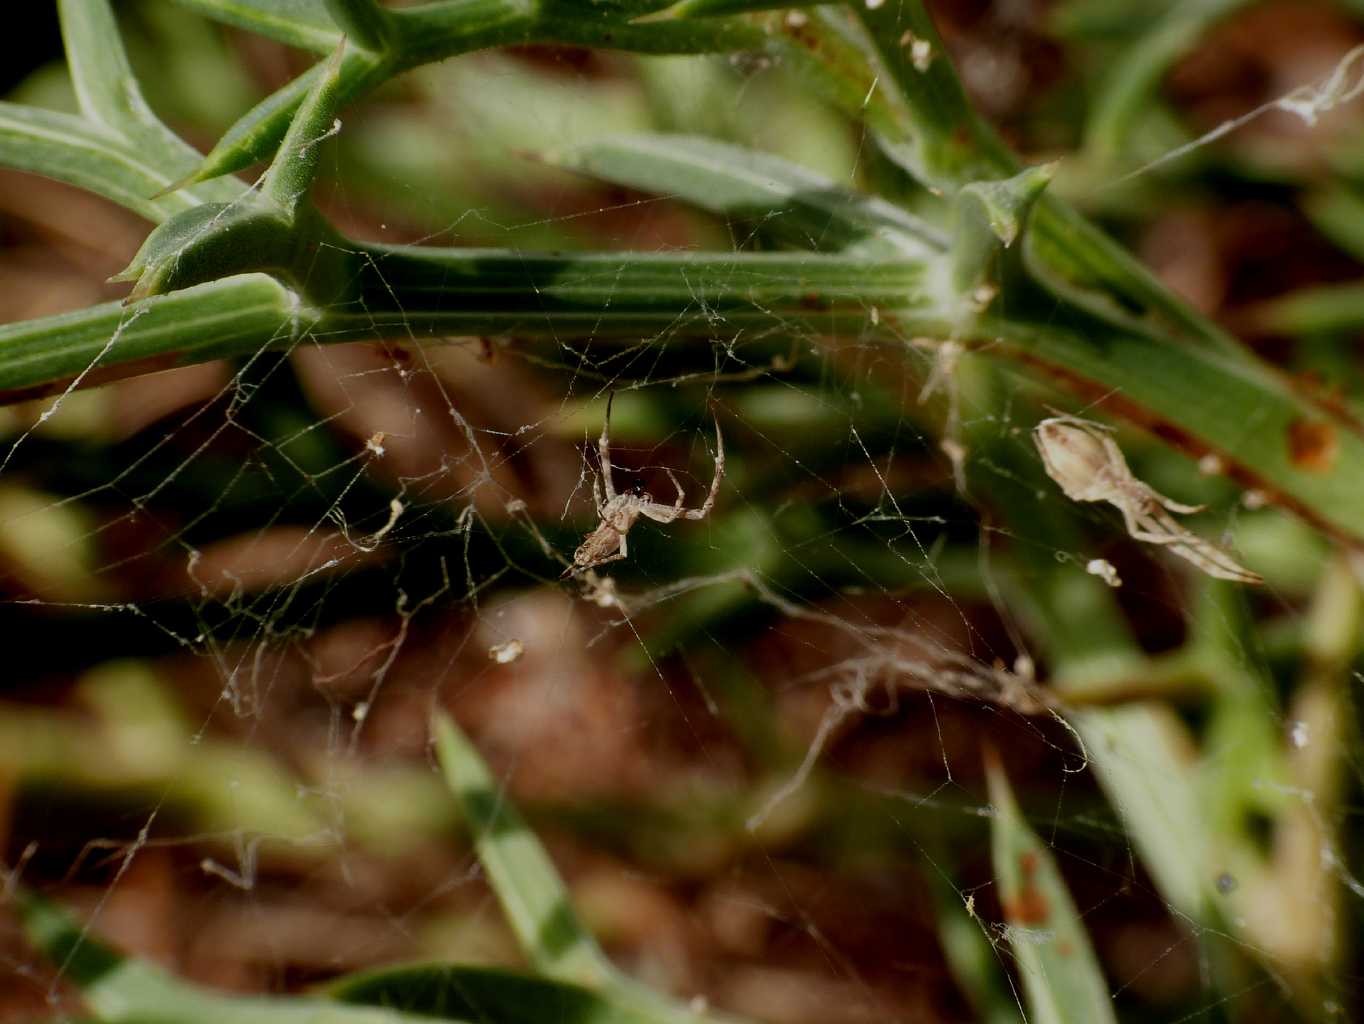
<point x="677" y="505"/>
<point x="1159" y="528"/>
<point x="1156" y="527"/>
<point x="1139" y="524"/>
<point x="1216" y="563"/>
<point x="704" y="510"/>
<point x="604" y="450"/>
<point x="1149" y="532"/>
<point x="1116" y="459"/>
<point x="1174" y="506"/>
<point x="661" y="513"/>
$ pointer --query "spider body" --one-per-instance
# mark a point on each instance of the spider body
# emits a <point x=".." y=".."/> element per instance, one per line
<point x="1089" y="466"/>
<point x="619" y="512"/>
<point x="607" y="542"/>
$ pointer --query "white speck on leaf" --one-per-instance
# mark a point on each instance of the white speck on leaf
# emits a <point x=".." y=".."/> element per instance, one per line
<point x="1103" y="569"/>
<point x="506" y="653"/>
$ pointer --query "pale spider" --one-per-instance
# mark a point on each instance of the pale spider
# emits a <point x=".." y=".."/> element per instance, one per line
<point x="618" y="512"/>
<point x="1089" y="466"/>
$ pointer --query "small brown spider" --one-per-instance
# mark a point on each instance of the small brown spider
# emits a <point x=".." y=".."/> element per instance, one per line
<point x="618" y="512"/>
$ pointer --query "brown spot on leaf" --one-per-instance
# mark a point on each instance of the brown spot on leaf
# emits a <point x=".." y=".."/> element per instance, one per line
<point x="1029" y="906"/>
<point x="1312" y="445"/>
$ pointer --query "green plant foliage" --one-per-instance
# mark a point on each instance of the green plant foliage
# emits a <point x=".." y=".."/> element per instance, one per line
<point x="939" y="285"/>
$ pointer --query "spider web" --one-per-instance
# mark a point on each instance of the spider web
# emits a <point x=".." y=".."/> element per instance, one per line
<point x="236" y="593"/>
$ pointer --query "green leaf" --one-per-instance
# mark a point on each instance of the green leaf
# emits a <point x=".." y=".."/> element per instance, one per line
<point x="948" y="143"/>
<point x="989" y="217"/>
<point x="287" y="181"/>
<point x="798" y="207"/>
<point x="1243" y="411"/>
<point x="1061" y="977"/>
<point x="533" y="897"/>
<point x="108" y="94"/>
<point x="891" y="70"/>
<point x="439" y="30"/>
<point x="436" y="31"/>
<point x="431" y="32"/>
<point x="216" y="240"/>
<point x="70" y="149"/>
<point x="365" y="22"/>
<point x="488" y="995"/>
<point x="1002" y="207"/>
<point x="121" y="989"/>
<point x="256" y="133"/>
<point x="105" y="88"/>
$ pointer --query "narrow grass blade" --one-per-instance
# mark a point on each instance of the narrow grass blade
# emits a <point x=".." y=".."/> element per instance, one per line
<point x="1309" y="457"/>
<point x="535" y="899"/>
<point x="1338" y="213"/>
<point x="1142" y="757"/>
<point x="971" y="957"/>
<point x="796" y="206"/>
<point x="125" y="990"/>
<point x="1061" y="976"/>
<point x="1330" y="309"/>
<point x="949" y="143"/>
<point x="531" y="893"/>
<point x="1128" y="85"/>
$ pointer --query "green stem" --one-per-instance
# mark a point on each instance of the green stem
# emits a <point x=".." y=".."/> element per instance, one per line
<point x="420" y="293"/>
<point x="628" y="294"/>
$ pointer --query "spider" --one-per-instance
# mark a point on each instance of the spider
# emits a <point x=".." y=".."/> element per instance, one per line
<point x="1089" y="466"/>
<point x="618" y="512"/>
